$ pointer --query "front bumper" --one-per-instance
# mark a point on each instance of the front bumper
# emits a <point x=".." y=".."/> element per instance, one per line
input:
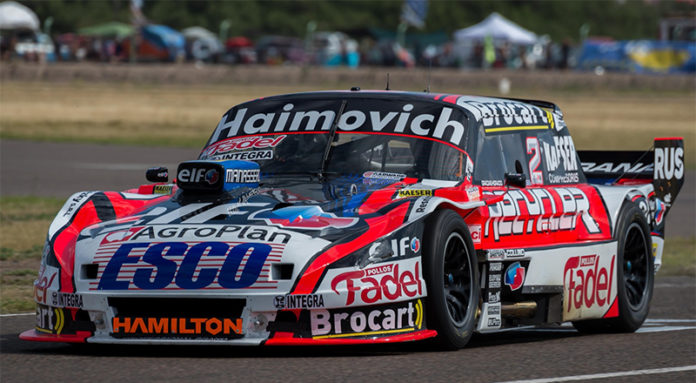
<point x="205" y="321"/>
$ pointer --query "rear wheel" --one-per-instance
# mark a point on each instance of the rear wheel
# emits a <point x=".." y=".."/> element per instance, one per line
<point x="451" y="273"/>
<point x="635" y="273"/>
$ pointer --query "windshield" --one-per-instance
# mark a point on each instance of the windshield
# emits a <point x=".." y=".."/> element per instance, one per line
<point x="370" y="140"/>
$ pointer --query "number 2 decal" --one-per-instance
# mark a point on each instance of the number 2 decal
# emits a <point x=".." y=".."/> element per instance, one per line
<point x="533" y="148"/>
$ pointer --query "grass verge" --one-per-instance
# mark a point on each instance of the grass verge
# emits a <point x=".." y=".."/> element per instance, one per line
<point x="679" y="257"/>
<point x="24" y="222"/>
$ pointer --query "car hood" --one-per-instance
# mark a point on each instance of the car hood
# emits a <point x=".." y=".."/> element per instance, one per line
<point x="265" y="237"/>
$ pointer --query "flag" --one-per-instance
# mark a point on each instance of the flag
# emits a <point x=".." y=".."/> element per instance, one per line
<point x="414" y="12"/>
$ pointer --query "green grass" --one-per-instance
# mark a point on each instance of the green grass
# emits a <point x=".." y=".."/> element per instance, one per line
<point x="679" y="257"/>
<point x="24" y="222"/>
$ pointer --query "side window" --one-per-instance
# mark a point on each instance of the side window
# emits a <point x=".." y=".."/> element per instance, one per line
<point x="559" y="160"/>
<point x="496" y="155"/>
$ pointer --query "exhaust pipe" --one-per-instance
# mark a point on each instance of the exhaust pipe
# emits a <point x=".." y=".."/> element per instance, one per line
<point x="519" y="309"/>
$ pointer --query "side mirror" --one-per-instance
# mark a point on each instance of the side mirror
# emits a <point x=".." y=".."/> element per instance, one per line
<point x="160" y="174"/>
<point x="515" y="179"/>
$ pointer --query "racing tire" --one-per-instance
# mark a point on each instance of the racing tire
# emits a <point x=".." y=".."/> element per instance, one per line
<point x="635" y="273"/>
<point x="451" y="273"/>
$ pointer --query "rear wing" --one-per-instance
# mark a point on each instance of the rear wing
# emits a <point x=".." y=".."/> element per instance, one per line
<point x="663" y="166"/>
<point x="617" y="166"/>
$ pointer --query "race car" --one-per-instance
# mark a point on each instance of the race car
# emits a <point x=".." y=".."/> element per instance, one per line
<point x="354" y="217"/>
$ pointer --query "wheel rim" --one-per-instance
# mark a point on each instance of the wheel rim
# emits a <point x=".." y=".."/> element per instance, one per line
<point x="458" y="279"/>
<point x="635" y="265"/>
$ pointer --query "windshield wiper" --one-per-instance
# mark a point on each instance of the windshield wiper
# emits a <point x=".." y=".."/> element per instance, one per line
<point x="332" y="133"/>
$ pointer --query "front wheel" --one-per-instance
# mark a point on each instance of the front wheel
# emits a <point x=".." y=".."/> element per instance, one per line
<point x="635" y="274"/>
<point x="451" y="273"/>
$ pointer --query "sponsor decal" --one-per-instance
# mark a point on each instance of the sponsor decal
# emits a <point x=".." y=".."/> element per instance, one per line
<point x="176" y="327"/>
<point x="423" y="205"/>
<point x="493" y="297"/>
<point x="404" y="193"/>
<point x="493" y="310"/>
<point x="244" y="198"/>
<point x="210" y="176"/>
<point x="493" y="322"/>
<point x="199" y="176"/>
<point x="473" y="193"/>
<point x="501" y="254"/>
<point x="568" y="178"/>
<point x="589" y="286"/>
<point x="226" y="232"/>
<point x="415" y="245"/>
<point x="561" y="152"/>
<point x="51" y="320"/>
<point x="368" y="321"/>
<point x="495" y="266"/>
<point x="669" y="163"/>
<point x="384" y="175"/>
<point x="304" y="301"/>
<point x="59" y="299"/>
<point x="544" y="213"/>
<point x="514" y="276"/>
<point x="446" y="126"/>
<point x="506" y="113"/>
<point x="74" y="202"/>
<point x="491" y="183"/>
<point x="310" y="217"/>
<point x="399" y="247"/>
<point x="616" y="168"/>
<point x="242" y="143"/>
<point x="536" y="175"/>
<point x="383" y="283"/>
<point x="660" y="209"/>
<point x="156" y="268"/>
<point x="242" y="175"/>
<point x="494" y="281"/>
<point x="475" y="231"/>
<point x="162" y="189"/>
<point x="47" y="274"/>
<point x="255" y="155"/>
<point x="120" y="235"/>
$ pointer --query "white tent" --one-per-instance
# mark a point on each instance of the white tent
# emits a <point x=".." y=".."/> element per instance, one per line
<point x="498" y="28"/>
<point x="204" y="42"/>
<point x="16" y="16"/>
<point x="198" y="33"/>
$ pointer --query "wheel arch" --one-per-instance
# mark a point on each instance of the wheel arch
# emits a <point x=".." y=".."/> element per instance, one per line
<point x="614" y="197"/>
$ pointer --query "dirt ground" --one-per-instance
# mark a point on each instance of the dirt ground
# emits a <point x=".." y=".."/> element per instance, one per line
<point x="438" y="80"/>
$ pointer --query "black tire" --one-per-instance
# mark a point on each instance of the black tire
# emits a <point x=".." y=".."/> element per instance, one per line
<point x="635" y="273"/>
<point x="451" y="273"/>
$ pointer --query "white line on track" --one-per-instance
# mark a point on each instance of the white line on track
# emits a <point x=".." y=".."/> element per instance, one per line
<point x="664" y="328"/>
<point x="16" y="315"/>
<point x="670" y="320"/>
<point x="607" y="375"/>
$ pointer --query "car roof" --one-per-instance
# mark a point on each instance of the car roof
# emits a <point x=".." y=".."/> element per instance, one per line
<point x="455" y="100"/>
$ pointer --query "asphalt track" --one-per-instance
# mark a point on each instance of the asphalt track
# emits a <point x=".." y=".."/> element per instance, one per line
<point x="667" y="341"/>
<point x="663" y="350"/>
